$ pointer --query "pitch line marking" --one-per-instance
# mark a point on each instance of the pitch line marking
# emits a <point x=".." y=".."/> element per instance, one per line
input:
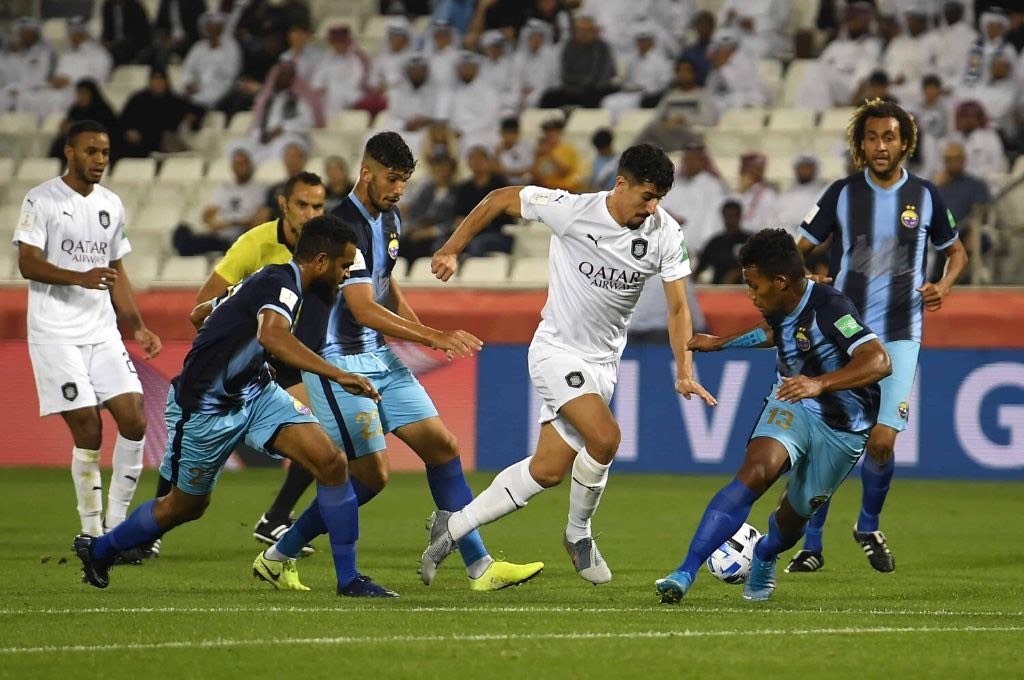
<point x="220" y="643"/>
<point x="501" y="610"/>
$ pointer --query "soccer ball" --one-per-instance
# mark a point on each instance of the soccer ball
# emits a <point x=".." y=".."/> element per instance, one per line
<point x="731" y="562"/>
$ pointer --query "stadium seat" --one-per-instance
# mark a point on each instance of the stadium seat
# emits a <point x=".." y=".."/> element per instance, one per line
<point x="215" y="120"/>
<point x="791" y="120"/>
<point x="134" y="171"/>
<point x="271" y="171"/>
<point x="155" y="218"/>
<point x="9" y="215"/>
<point x="143" y="266"/>
<point x="329" y="143"/>
<point x="770" y="71"/>
<point x="55" y="33"/>
<point x="530" y="271"/>
<point x="631" y="123"/>
<point x="831" y="168"/>
<point x="731" y="142"/>
<point x="6" y="170"/>
<point x="751" y="119"/>
<point x="375" y="28"/>
<point x="219" y="170"/>
<point x="38" y="169"/>
<point x="240" y="123"/>
<point x="130" y="77"/>
<point x="419" y="274"/>
<point x="1018" y="167"/>
<point x="352" y="120"/>
<point x="491" y="269"/>
<point x="187" y="272"/>
<point x="794" y="77"/>
<point x="51" y="124"/>
<point x="9" y="264"/>
<point x="836" y="119"/>
<point x="18" y="123"/>
<point x="530" y="120"/>
<point x="532" y="239"/>
<point x="585" y="122"/>
<point x="181" y="170"/>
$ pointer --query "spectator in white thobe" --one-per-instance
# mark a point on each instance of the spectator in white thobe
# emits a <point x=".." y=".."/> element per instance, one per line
<point x="213" y="64"/>
<point x="535" y="64"/>
<point x="792" y="205"/>
<point x="845" y="63"/>
<point x="472" y="106"/>
<point x="762" y="25"/>
<point x="695" y="198"/>
<point x="342" y="77"/>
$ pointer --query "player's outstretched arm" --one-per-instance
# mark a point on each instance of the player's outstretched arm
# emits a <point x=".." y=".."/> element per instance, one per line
<point x="758" y="337"/>
<point x="274" y="333"/>
<point x="214" y="287"/>
<point x="504" y="201"/>
<point x="124" y="304"/>
<point x="366" y="310"/>
<point x="956" y="262"/>
<point x="868" y="364"/>
<point x="34" y="267"/>
<point x="680" y="331"/>
<point x="399" y="305"/>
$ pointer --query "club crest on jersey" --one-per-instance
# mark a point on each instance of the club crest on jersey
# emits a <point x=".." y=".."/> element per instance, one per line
<point x="909" y="217"/>
<point x="301" y="408"/>
<point x="104" y="219"/>
<point x="393" y="247"/>
<point x="639" y="248"/>
<point x="70" y="391"/>
<point x="903" y="410"/>
<point x="575" y="379"/>
<point x="803" y="342"/>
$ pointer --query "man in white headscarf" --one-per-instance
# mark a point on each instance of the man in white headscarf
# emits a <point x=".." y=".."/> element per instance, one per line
<point x="844" y="64"/>
<point x="761" y="23"/>
<point x="734" y="81"/>
<point x="950" y="43"/>
<point x="85" y="58"/>
<point x="415" y="102"/>
<point x="471" y="105"/>
<point x="29" y="66"/>
<point x="388" y="68"/>
<point x="212" y="64"/>
<point x="647" y="74"/>
<point x="341" y="78"/>
<point x="535" y="64"/>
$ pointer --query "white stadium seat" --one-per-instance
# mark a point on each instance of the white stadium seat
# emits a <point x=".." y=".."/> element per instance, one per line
<point x="794" y="78"/>
<point x="530" y="271"/>
<point x="181" y="170"/>
<point x="419" y="274"/>
<point x="751" y="119"/>
<point x="38" y="169"/>
<point x="490" y="269"/>
<point x="184" y="271"/>
<point x="836" y="119"/>
<point x="134" y="171"/>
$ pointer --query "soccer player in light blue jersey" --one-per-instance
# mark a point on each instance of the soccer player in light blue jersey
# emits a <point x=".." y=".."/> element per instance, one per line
<point x="880" y="221"/>
<point x="225" y="394"/>
<point x="816" y="419"/>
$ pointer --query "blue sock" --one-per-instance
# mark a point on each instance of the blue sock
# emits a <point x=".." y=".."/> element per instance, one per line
<point x="815" y="526"/>
<point x="308" y="526"/>
<point x="340" y="512"/>
<point x="364" y="494"/>
<point x="723" y="517"/>
<point x="876" y="480"/>
<point x="775" y="542"/>
<point x="451" y="492"/>
<point x="139" y="528"/>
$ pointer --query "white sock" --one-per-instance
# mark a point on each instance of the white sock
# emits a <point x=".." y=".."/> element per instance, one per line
<point x="511" y="489"/>
<point x="588" y="481"/>
<point x="124" y="478"/>
<point x="477" y="569"/>
<point x="85" y="471"/>
<point x="275" y="555"/>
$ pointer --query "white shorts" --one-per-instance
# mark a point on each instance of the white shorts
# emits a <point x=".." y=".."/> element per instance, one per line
<point x="559" y="377"/>
<point x="70" y="377"/>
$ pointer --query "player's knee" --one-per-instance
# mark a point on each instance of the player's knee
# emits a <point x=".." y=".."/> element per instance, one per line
<point x="880" y="451"/>
<point x="375" y="478"/>
<point x="331" y="470"/>
<point x="547" y="478"/>
<point x="132" y="427"/>
<point x="604" y="443"/>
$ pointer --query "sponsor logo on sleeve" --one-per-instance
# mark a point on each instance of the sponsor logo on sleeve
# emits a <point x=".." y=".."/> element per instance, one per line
<point x="848" y="326"/>
<point x="952" y="220"/>
<point x="359" y="262"/>
<point x="811" y="214"/>
<point x="288" y="298"/>
<point x="540" y="198"/>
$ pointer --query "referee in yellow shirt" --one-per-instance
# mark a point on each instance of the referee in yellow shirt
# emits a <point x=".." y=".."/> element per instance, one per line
<point x="272" y="242"/>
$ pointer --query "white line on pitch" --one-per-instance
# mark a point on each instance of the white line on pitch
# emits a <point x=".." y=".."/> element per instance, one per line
<point x="501" y="610"/>
<point x="220" y="643"/>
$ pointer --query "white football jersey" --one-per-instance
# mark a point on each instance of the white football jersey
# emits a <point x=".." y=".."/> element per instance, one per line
<point x="598" y="268"/>
<point x="78" y="233"/>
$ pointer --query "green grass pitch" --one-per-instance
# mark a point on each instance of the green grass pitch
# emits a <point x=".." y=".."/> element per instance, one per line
<point x="953" y="608"/>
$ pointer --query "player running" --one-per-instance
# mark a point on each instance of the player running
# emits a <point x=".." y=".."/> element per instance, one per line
<point x="879" y="221"/>
<point x="71" y="240"/>
<point x="350" y="335"/>
<point x="272" y="242"/>
<point x="225" y="394"/>
<point x="815" y="421"/>
<point x="605" y="246"/>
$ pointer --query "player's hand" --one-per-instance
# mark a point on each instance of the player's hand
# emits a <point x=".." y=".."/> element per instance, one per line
<point x="819" y="278"/>
<point x="100" y="278"/>
<point x="797" y="388"/>
<point x="353" y="383"/>
<point x="702" y="342"/>
<point x="444" y="265"/>
<point x="458" y="344"/>
<point x="933" y="295"/>
<point x="688" y="387"/>
<point x="150" y="342"/>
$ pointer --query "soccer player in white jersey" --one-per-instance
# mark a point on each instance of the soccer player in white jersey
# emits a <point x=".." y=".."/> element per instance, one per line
<point x="605" y="247"/>
<point x="71" y="241"/>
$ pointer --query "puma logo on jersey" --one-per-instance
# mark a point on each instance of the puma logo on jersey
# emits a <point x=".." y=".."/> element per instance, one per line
<point x="30" y="201"/>
<point x="68" y="214"/>
<point x="595" y="240"/>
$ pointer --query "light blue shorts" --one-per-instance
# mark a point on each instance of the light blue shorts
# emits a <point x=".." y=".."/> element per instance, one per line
<point x="357" y="424"/>
<point x="198" y="444"/>
<point x="894" y="408"/>
<point x="820" y="457"/>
